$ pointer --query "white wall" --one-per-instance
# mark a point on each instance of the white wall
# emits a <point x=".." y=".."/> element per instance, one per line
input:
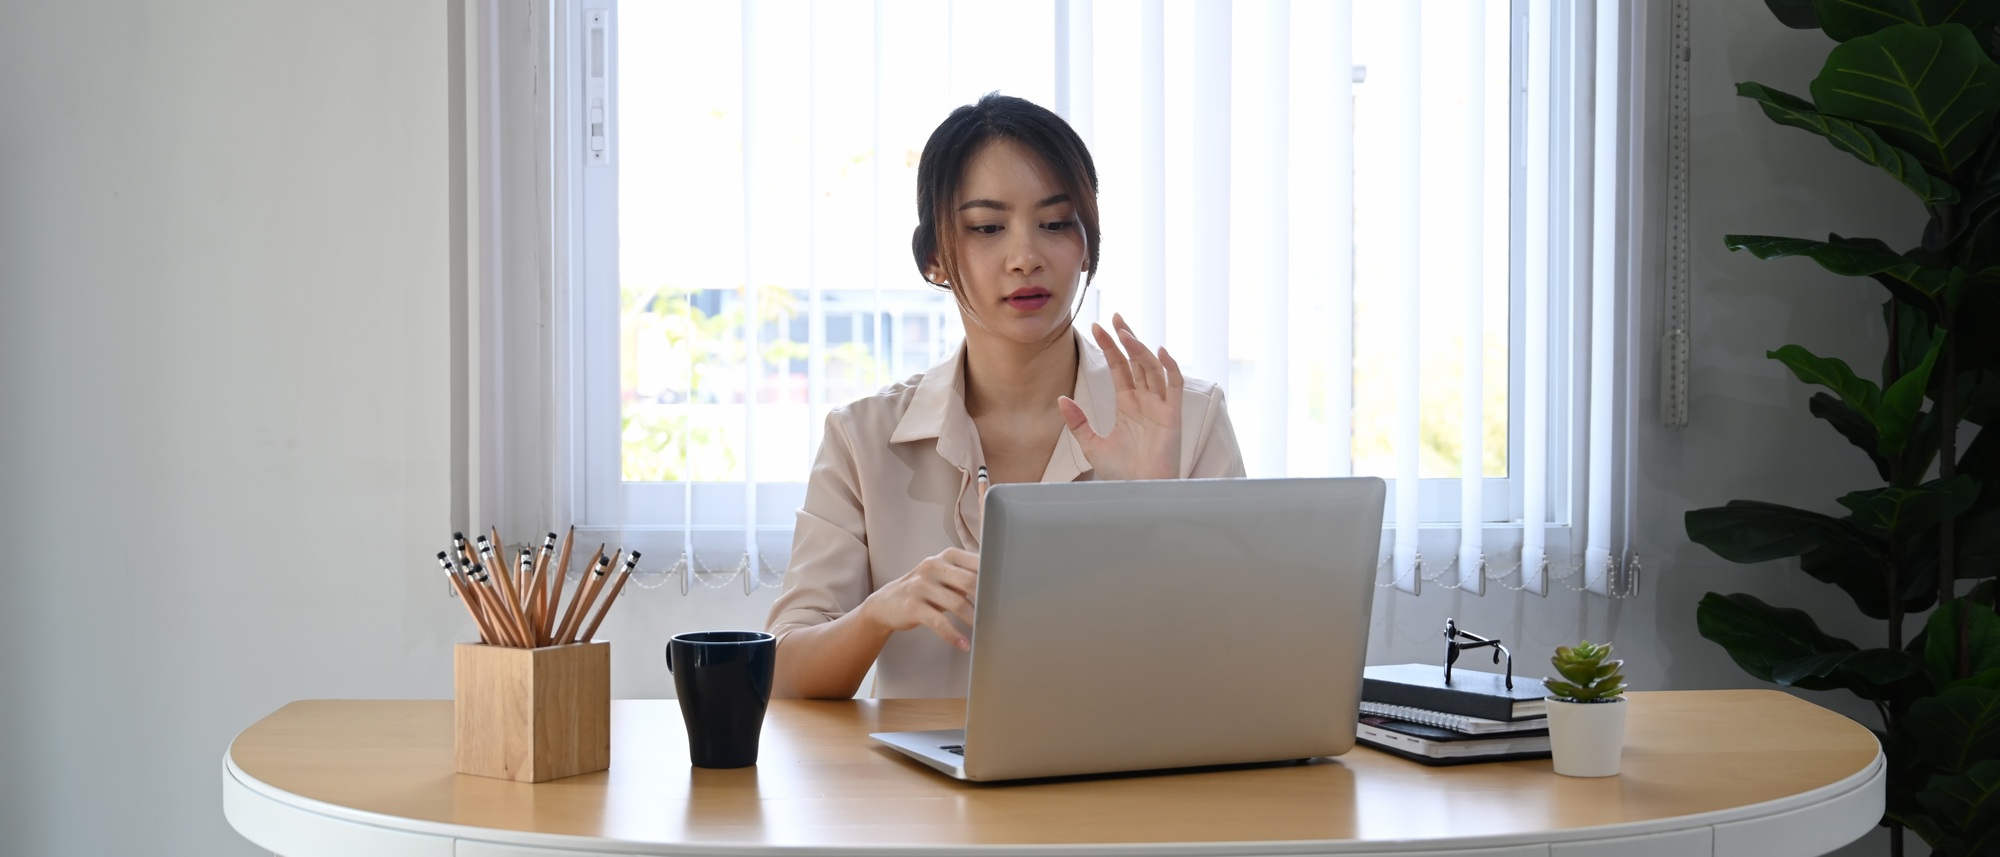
<point x="222" y="394"/>
<point x="224" y="376"/>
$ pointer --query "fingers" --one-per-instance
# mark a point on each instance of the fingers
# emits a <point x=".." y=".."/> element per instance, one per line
<point x="941" y="625"/>
<point x="1146" y="371"/>
<point x="961" y="558"/>
<point x="953" y="604"/>
<point x="1174" y="379"/>
<point x="1121" y="371"/>
<point x="955" y="578"/>
<point x="1073" y="416"/>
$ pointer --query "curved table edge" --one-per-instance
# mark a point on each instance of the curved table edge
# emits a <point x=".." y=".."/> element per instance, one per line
<point x="270" y="815"/>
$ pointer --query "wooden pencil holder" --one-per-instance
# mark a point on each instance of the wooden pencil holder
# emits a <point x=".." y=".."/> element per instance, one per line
<point x="532" y="715"/>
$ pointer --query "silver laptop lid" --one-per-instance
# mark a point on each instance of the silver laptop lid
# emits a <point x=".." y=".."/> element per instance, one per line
<point x="1126" y="626"/>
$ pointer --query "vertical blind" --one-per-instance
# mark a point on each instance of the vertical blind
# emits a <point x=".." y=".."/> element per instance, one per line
<point x="1403" y="238"/>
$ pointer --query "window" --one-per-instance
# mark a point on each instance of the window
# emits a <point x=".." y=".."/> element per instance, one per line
<point x="1395" y="232"/>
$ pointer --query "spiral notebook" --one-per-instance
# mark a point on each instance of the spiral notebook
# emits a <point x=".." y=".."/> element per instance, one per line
<point x="1434" y="746"/>
<point x="1454" y="722"/>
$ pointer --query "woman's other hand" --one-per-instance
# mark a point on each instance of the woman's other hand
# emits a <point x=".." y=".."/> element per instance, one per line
<point x="938" y="589"/>
<point x="1145" y="443"/>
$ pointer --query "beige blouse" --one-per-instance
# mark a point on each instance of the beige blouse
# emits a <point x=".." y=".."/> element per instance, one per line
<point x="894" y="483"/>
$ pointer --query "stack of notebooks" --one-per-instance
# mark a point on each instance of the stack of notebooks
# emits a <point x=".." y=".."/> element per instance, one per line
<point x="1407" y="710"/>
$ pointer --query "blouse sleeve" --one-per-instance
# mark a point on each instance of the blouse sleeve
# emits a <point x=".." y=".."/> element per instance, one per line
<point x="829" y="568"/>
<point x="1215" y="452"/>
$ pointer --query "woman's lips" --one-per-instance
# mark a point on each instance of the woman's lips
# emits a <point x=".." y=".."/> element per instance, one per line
<point x="1028" y="300"/>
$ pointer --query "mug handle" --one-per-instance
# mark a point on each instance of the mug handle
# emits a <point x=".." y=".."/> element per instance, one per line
<point x="670" y="656"/>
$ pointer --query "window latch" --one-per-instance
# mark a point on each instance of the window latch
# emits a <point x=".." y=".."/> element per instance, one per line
<point x="597" y="88"/>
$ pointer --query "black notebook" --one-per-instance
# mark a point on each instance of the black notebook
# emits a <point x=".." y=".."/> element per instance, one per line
<point x="1433" y="746"/>
<point x="1471" y="693"/>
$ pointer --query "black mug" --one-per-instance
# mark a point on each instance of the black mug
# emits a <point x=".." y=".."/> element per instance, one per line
<point x="723" y="679"/>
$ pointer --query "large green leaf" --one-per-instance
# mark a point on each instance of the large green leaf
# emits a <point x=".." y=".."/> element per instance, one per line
<point x="1796" y="14"/>
<point x="1848" y="258"/>
<point x="1921" y="451"/>
<point x="1917" y="818"/>
<point x="1978" y="208"/>
<point x="1858" y="429"/>
<point x="1761" y="638"/>
<point x="1919" y="291"/>
<point x="1862" y="669"/>
<point x="1833" y="374"/>
<point x="1855" y="572"/>
<point x="1849" y="19"/>
<point x="1911" y="334"/>
<point x="1979" y="542"/>
<point x="1966" y="808"/>
<point x="1883" y="511"/>
<point x="1853" y="138"/>
<point x="1930" y="90"/>
<point x="1917" y="563"/>
<point x="1898" y="414"/>
<point x="1978" y="396"/>
<point x="1753" y="531"/>
<point x="1982" y="628"/>
<point x="1956" y="728"/>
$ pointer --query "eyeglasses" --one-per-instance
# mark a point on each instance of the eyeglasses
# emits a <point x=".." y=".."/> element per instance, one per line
<point x="1456" y="641"/>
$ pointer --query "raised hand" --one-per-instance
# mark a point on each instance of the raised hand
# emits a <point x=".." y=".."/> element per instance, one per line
<point x="938" y="589"/>
<point x="1145" y="443"/>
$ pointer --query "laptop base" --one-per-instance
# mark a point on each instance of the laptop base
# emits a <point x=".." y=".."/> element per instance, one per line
<point x="930" y="748"/>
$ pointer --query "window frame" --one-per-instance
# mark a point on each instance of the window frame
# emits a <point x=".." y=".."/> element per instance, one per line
<point x="582" y="308"/>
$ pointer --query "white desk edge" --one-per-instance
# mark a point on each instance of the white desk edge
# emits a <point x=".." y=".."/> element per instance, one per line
<point x="1802" y="825"/>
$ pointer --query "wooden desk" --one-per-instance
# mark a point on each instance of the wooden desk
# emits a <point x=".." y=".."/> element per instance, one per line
<point x="1726" y="773"/>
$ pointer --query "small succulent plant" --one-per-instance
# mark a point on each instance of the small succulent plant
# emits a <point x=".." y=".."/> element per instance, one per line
<point x="1590" y="676"/>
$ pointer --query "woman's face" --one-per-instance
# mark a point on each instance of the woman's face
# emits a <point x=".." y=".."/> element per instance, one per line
<point x="1020" y="246"/>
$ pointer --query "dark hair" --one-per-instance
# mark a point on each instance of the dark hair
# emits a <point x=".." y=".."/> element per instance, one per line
<point x="962" y="134"/>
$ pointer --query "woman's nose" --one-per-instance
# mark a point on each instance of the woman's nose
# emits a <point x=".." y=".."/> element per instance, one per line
<point x="1022" y="254"/>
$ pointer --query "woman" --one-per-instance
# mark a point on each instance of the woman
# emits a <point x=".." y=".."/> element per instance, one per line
<point x="885" y="555"/>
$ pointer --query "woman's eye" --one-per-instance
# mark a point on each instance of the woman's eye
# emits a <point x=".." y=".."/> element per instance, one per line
<point x="988" y="229"/>
<point x="1057" y="226"/>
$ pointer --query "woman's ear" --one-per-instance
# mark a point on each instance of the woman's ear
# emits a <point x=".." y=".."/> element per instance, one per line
<point x="935" y="272"/>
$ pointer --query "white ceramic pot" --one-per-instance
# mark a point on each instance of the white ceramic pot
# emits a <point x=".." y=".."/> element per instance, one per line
<point x="1587" y="737"/>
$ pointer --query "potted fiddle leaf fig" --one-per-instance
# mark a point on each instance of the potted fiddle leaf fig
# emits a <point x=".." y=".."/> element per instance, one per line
<point x="1586" y="710"/>
<point x="1912" y="88"/>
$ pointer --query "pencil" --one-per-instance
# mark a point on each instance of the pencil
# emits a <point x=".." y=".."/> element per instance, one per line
<point x="594" y="584"/>
<point x="569" y="619"/>
<point x="579" y="604"/>
<point x="597" y="589"/>
<point x="556" y="584"/>
<point x="476" y="600"/>
<point x="496" y="561"/>
<point x="464" y="549"/>
<point x="502" y="572"/>
<point x="481" y="584"/>
<point x="464" y="597"/>
<point x="538" y="600"/>
<point x="624" y="574"/>
<point x="524" y="563"/>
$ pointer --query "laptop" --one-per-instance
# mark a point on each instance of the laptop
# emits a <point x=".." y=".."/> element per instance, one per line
<point x="1134" y="626"/>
